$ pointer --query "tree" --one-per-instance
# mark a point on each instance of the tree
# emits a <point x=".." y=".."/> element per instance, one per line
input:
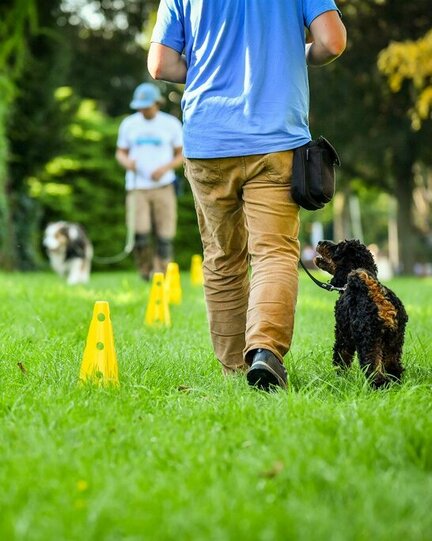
<point x="18" y="20"/>
<point x="37" y="127"/>
<point x="107" y="57"/>
<point x="411" y="61"/>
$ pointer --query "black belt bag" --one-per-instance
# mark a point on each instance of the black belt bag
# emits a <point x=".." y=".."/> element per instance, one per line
<point x="313" y="176"/>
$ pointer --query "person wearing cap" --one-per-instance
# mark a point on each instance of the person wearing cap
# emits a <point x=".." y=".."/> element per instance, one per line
<point x="245" y="109"/>
<point x="149" y="147"/>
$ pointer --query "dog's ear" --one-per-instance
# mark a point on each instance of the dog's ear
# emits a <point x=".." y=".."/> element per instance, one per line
<point x="348" y="248"/>
<point x="64" y="231"/>
<point x="340" y="252"/>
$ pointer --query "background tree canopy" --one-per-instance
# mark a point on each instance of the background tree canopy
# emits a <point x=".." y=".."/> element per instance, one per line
<point x="67" y="72"/>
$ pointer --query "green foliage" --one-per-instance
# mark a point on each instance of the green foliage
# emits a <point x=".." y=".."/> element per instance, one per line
<point x="107" y="60"/>
<point x="37" y="131"/>
<point x="410" y="60"/>
<point x="179" y="452"/>
<point x="17" y="21"/>
<point x="105" y="68"/>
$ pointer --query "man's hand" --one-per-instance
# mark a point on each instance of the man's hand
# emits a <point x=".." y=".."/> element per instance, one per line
<point x="122" y="156"/>
<point x="173" y="164"/>
<point x="131" y="165"/>
<point x="158" y="173"/>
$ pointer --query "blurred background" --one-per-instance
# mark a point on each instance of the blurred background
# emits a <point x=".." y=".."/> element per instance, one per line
<point x="68" y="69"/>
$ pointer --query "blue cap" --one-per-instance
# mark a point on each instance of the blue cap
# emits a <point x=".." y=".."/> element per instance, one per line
<point x="145" y="95"/>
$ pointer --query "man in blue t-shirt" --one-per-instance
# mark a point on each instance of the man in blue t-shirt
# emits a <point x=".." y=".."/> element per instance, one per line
<point x="245" y="108"/>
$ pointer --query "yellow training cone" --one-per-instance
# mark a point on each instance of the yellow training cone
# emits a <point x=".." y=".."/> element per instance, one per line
<point x="172" y="284"/>
<point x="157" y="312"/>
<point x="197" y="277"/>
<point x="99" y="364"/>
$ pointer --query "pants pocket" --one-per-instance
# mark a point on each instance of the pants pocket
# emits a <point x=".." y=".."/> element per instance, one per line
<point x="202" y="171"/>
<point x="279" y="166"/>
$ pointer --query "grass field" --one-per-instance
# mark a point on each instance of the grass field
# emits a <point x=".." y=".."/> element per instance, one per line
<point x="179" y="452"/>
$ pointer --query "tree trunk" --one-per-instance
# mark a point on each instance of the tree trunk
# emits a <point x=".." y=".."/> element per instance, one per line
<point x="341" y="225"/>
<point x="393" y="244"/>
<point x="7" y="252"/>
<point x="355" y="214"/>
<point x="404" y="187"/>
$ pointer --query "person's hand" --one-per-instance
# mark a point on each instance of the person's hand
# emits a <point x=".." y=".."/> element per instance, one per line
<point x="131" y="165"/>
<point x="158" y="173"/>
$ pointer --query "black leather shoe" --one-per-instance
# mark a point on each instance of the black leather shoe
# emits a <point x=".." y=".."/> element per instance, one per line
<point x="266" y="371"/>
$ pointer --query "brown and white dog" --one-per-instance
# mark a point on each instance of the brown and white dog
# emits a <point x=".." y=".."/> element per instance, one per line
<point x="69" y="250"/>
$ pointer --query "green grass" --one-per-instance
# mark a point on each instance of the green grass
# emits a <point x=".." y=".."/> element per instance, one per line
<point x="178" y="452"/>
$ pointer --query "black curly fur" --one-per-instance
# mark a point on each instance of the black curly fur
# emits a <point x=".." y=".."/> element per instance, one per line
<point x="370" y="318"/>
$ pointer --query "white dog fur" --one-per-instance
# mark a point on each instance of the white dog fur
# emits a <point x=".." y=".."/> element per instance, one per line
<point x="69" y="250"/>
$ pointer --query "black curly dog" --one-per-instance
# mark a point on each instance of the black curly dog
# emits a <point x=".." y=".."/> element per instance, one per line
<point x="370" y="319"/>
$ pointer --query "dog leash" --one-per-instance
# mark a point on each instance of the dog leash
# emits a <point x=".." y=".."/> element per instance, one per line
<point x="322" y="285"/>
<point x="130" y="232"/>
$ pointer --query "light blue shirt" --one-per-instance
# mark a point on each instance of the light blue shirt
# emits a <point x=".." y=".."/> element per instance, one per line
<point x="246" y="88"/>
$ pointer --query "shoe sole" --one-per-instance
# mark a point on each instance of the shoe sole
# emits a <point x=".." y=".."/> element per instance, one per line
<point x="264" y="377"/>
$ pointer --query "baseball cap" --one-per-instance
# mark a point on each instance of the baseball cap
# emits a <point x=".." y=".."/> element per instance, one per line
<point x="145" y="95"/>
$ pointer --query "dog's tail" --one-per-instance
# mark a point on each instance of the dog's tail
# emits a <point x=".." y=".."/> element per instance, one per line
<point x="387" y="312"/>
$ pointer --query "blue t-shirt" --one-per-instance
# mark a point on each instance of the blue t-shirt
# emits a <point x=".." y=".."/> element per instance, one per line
<point x="246" y="88"/>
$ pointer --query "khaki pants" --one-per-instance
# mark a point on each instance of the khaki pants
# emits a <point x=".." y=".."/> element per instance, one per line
<point x="246" y="215"/>
<point x="154" y="211"/>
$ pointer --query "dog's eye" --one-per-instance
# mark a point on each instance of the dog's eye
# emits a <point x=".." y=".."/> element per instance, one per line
<point x="338" y="255"/>
<point x="342" y="251"/>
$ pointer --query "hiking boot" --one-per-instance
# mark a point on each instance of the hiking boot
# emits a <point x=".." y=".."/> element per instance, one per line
<point x="266" y="371"/>
<point x="143" y="261"/>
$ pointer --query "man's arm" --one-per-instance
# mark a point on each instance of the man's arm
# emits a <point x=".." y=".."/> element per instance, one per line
<point x="329" y="39"/>
<point x="173" y="164"/>
<point x="166" y="64"/>
<point x="122" y="156"/>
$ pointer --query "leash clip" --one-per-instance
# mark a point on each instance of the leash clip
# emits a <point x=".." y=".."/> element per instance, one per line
<point x="338" y="289"/>
<point x="322" y="285"/>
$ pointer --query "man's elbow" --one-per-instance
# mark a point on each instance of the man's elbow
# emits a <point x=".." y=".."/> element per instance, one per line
<point x="329" y="34"/>
<point x="337" y="45"/>
<point x="154" y="68"/>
